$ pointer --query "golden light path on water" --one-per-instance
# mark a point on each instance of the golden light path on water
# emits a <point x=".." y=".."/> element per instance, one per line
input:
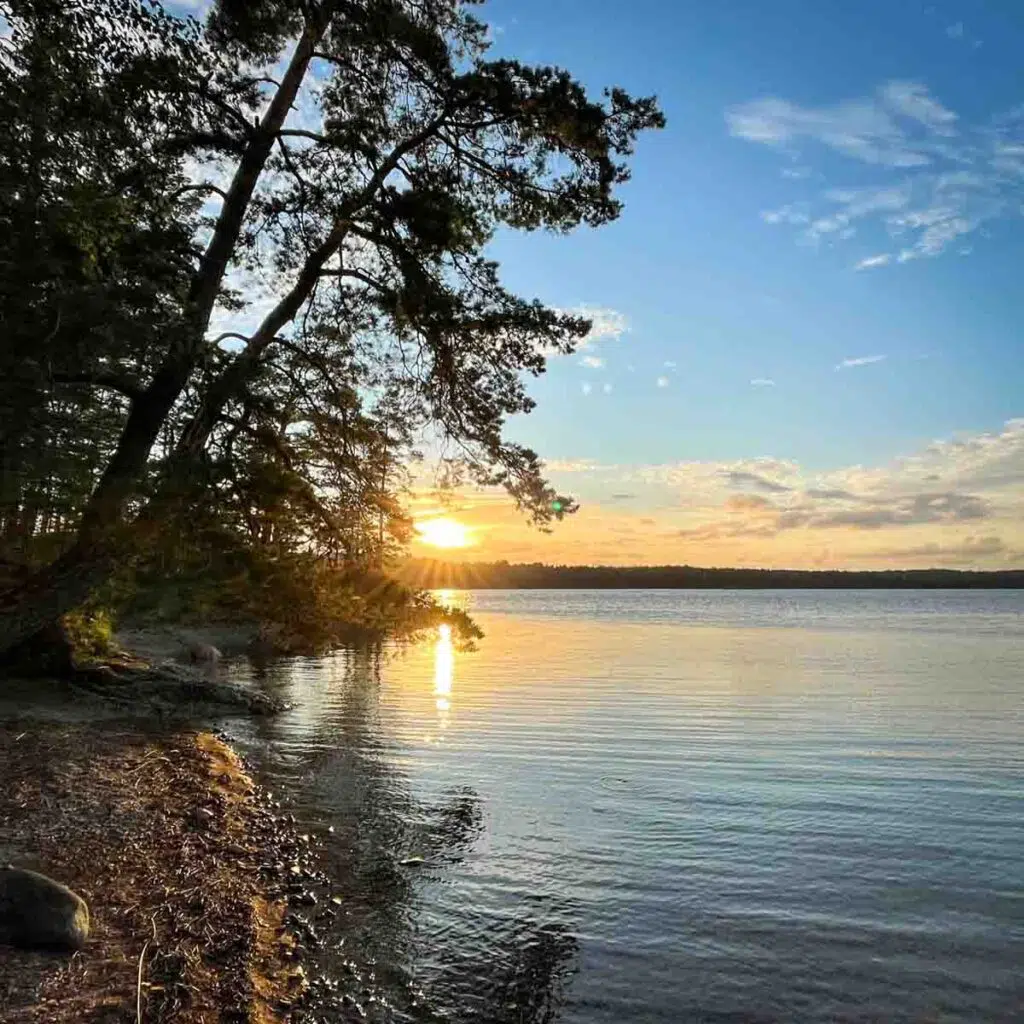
<point x="781" y="800"/>
<point x="444" y="670"/>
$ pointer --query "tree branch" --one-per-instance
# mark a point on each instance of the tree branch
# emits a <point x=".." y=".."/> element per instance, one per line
<point x="234" y="376"/>
<point x="302" y="133"/>
<point x="206" y="286"/>
<point x="127" y="386"/>
<point x="239" y="118"/>
<point x="390" y="164"/>
<point x="204" y="187"/>
<point x="359" y="275"/>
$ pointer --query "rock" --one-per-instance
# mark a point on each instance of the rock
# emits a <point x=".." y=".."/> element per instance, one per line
<point x="36" y="911"/>
<point x="203" y="654"/>
<point x="203" y="817"/>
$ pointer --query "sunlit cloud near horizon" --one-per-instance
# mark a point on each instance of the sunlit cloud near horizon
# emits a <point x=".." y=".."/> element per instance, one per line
<point x="957" y="503"/>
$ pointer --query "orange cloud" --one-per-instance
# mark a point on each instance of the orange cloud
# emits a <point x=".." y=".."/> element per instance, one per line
<point x="956" y="503"/>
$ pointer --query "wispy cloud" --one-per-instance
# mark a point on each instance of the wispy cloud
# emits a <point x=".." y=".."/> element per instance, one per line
<point x="912" y="101"/>
<point x="669" y="364"/>
<point x="762" y="382"/>
<point x="874" y="261"/>
<point x="847" y="364"/>
<point x="605" y="324"/>
<point x="968" y="551"/>
<point x="576" y="466"/>
<point x="937" y="494"/>
<point x="949" y="178"/>
<point x="743" y="478"/>
<point x="958" y="501"/>
<point x="586" y="387"/>
<point x="606" y="388"/>
<point x="662" y="382"/>
<point x="794" y="213"/>
<point x="593" y="362"/>
<point x="874" y="130"/>
<point x="959" y="34"/>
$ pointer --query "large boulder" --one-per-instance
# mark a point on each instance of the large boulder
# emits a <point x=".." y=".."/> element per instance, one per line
<point x="38" y="912"/>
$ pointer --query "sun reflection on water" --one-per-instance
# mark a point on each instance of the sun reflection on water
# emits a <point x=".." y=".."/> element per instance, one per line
<point x="444" y="665"/>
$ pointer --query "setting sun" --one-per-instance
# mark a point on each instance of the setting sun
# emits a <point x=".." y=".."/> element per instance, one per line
<point x="443" y="533"/>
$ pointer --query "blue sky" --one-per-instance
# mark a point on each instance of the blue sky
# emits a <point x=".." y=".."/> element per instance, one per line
<point x="807" y="345"/>
<point x="714" y="265"/>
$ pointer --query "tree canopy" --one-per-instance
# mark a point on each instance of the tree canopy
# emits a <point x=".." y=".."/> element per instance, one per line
<point x="245" y="264"/>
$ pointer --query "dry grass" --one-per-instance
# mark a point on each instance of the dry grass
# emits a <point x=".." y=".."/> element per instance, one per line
<point x="165" y="839"/>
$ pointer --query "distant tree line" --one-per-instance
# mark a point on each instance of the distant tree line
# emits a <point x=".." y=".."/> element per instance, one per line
<point x="535" y="576"/>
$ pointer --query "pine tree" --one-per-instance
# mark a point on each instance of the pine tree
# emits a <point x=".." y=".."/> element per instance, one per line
<point x="357" y="157"/>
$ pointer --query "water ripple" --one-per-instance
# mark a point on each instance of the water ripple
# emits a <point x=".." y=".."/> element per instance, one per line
<point x="676" y="807"/>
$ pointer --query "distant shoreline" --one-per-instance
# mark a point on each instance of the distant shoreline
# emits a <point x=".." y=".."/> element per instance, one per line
<point x="506" y="576"/>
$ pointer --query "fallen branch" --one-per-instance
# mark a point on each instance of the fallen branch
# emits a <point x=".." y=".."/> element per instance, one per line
<point x="138" y="985"/>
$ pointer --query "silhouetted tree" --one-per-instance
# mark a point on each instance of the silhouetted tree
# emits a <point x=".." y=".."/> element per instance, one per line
<point x="357" y="154"/>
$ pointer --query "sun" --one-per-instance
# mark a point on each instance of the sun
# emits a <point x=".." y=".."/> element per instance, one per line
<point x="443" y="533"/>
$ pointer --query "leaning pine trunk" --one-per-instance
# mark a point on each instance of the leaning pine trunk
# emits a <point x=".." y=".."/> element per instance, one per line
<point x="39" y="603"/>
<point x="31" y="637"/>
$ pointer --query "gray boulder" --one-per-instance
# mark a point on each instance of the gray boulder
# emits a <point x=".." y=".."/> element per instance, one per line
<point x="203" y="654"/>
<point x="38" y="912"/>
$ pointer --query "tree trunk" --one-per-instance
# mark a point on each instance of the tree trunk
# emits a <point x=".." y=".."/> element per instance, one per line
<point x="57" y="589"/>
<point x="47" y="653"/>
<point x="30" y="613"/>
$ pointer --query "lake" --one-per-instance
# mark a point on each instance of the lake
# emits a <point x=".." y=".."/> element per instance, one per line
<point x="673" y="806"/>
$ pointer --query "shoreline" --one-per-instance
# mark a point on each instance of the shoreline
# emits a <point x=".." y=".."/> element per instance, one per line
<point x="187" y="867"/>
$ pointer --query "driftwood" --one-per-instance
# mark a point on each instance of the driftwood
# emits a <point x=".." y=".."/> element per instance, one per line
<point x="170" y="688"/>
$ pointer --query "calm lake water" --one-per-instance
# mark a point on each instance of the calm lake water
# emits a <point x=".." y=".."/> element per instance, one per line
<point x="674" y="806"/>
